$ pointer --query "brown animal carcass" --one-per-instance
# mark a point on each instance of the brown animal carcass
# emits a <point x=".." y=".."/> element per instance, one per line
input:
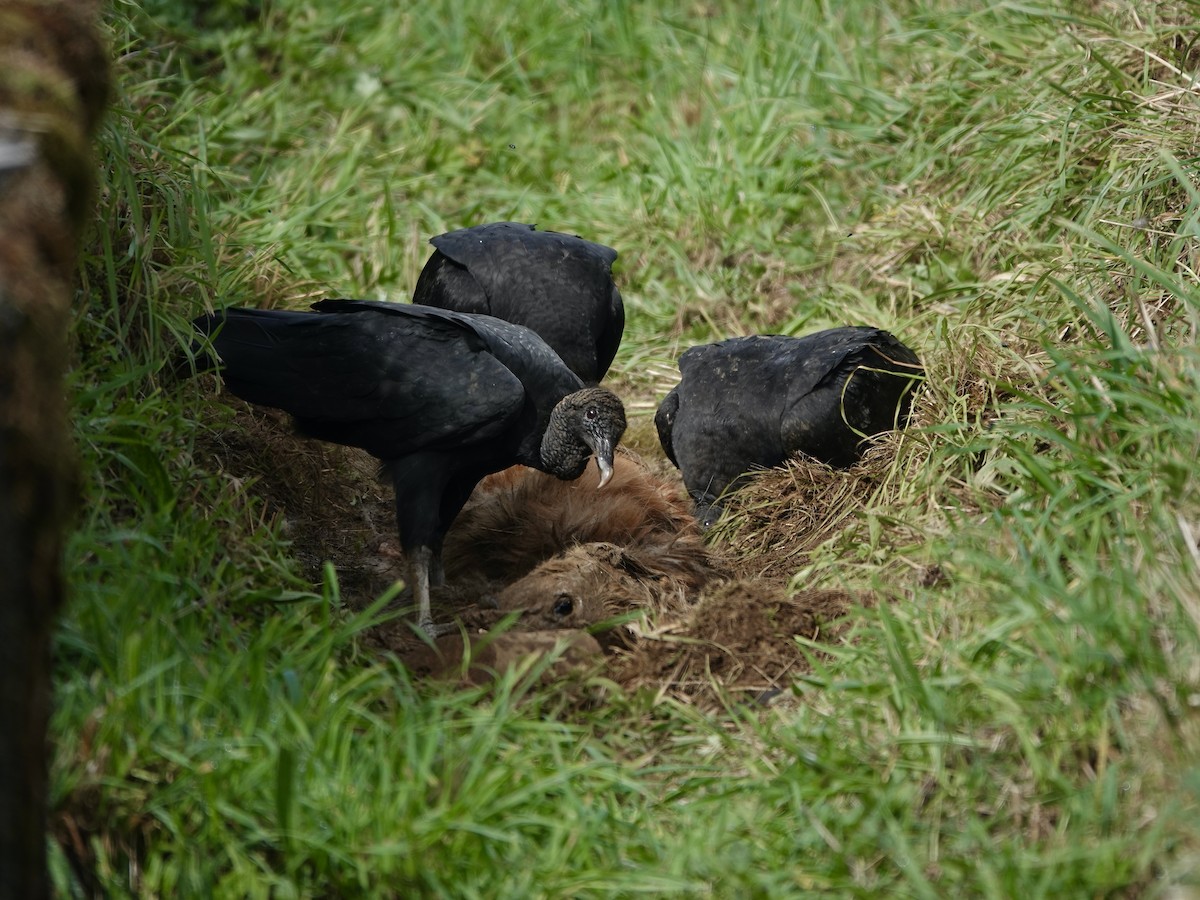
<point x="519" y="518"/>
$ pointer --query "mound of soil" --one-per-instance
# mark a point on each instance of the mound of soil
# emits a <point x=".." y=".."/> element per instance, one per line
<point x="738" y="640"/>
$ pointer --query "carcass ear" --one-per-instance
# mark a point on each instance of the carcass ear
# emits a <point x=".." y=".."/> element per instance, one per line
<point x="632" y="564"/>
<point x="622" y="560"/>
<point x="604" y="552"/>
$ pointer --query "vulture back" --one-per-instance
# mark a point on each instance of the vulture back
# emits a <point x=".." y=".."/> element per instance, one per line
<point x="559" y="285"/>
<point x="752" y="402"/>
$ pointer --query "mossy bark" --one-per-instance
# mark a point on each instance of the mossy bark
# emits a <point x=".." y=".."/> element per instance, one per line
<point x="53" y="85"/>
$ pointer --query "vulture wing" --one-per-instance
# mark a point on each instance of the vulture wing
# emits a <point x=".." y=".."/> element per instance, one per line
<point x="391" y="384"/>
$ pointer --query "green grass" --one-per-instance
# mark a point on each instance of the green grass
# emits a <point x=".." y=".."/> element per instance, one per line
<point x="1011" y="187"/>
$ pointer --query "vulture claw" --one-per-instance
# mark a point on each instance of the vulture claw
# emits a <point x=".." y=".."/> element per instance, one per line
<point x="435" y="630"/>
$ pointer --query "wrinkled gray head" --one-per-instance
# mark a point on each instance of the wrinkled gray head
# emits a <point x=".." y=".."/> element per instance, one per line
<point x="583" y="424"/>
<point x="710" y="501"/>
<point x="708" y="510"/>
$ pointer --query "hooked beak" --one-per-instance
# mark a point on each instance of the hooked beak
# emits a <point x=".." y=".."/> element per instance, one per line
<point x="604" y="461"/>
<point x="606" y="471"/>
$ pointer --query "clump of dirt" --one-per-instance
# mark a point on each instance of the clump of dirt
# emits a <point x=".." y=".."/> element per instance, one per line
<point x="739" y="639"/>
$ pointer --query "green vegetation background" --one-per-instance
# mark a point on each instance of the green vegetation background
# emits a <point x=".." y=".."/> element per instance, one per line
<point x="1011" y="187"/>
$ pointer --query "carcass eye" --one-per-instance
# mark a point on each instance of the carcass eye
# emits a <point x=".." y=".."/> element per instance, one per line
<point x="563" y="607"/>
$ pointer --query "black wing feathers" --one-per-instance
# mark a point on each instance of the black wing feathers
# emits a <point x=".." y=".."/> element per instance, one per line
<point x="754" y="401"/>
<point x="391" y="384"/>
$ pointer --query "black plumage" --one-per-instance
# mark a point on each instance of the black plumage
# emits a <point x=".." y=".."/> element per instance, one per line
<point x="752" y="402"/>
<point x="442" y="398"/>
<point x="559" y="285"/>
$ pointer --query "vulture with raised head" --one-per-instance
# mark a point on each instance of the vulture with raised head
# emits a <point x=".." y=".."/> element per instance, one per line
<point x="442" y="398"/>
<point x="752" y="402"/>
<point x="559" y="285"/>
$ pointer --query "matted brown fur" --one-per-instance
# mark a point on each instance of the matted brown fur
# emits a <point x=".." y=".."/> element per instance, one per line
<point x="594" y="584"/>
<point x="520" y="517"/>
<point x="569" y="556"/>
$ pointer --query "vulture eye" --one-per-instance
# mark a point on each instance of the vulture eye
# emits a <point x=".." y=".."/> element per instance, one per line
<point x="591" y="413"/>
<point x="563" y="607"/>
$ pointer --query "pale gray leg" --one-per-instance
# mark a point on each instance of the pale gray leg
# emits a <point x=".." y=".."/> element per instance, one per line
<point x="421" y="563"/>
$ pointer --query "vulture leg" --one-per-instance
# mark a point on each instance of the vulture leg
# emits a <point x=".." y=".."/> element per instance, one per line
<point x="421" y="565"/>
<point x="419" y="482"/>
<point x="428" y="498"/>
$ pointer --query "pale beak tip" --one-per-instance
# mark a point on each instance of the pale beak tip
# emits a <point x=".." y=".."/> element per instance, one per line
<point x="606" y="471"/>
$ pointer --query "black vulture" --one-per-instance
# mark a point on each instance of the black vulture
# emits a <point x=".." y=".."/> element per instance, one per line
<point x="752" y="402"/>
<point x="442" y="398"/>
<point x="559" y="285"/>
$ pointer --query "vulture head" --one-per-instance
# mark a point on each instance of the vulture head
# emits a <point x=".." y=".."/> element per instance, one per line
<point x="583" y="424"/>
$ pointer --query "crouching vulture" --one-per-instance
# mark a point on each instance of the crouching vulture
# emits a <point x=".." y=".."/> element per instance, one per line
<point x="559" y="285"/>
<point x="442" y="398"/>
<point x="752" y="402"/>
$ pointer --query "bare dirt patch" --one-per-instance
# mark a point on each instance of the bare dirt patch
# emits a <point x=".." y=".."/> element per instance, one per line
<point x="619" y="582"/>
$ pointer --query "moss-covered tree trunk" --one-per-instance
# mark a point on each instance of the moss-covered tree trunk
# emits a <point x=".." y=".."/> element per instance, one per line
<point x="53" y="80"/>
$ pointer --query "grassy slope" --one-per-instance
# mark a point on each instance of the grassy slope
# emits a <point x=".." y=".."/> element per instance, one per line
<point x="1010" y="189"/>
